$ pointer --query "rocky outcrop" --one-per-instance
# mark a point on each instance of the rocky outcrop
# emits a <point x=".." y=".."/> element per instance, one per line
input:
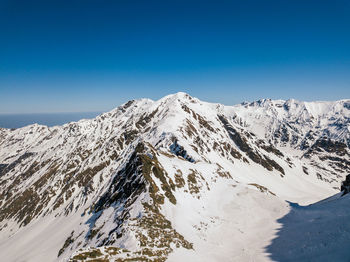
<point x="345" y="186"/>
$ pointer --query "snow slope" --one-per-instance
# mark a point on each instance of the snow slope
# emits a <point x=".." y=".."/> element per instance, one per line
<point x="173" y="179"/>
<point x="319" y="232"/>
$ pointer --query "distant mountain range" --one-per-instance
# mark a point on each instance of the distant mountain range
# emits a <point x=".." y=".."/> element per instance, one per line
<point x="48" y="119"/>
<point x="179" y="179"/>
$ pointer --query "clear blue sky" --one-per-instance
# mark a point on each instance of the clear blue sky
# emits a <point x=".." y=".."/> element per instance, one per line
<point x="62" y="56"/>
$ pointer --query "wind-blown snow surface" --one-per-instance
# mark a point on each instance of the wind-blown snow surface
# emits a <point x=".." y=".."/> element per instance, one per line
<point x="176" y="179"/>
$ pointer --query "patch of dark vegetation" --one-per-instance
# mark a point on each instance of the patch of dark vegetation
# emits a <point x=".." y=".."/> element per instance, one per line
<point x="201" y="145"/>
<point x="195" y="182"/>
<point x="204" y="123"/>
<point x="144" y="120"/>
<point x="190" y="130"/>
<point x="130" y="136"/>
<point x="24" y="207"/>
<point x="29" y="172"/>
<point x="192" y="183"/>
<point x="228" y="148"/>
<point x="66" y="244"/>
<point x="179" y="180"/>
<point x="222" y="173"/>
<point x="85" y="177"/>
<point x="262" y="189"/>
<point x="43" y="180"/>
<point x="167" y="187"/>
<point x="156" y="244"/>
<point x="186" y="109"/>
<point x="88" y="255"/>
<point x="16" y="162"/>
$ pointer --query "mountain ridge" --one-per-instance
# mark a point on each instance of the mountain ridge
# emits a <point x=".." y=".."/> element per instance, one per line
<point x="183" y="94"/>
<point x="130" y="172"/>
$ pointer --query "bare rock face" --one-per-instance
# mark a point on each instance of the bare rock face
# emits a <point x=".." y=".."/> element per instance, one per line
<point x="345" y="186"/>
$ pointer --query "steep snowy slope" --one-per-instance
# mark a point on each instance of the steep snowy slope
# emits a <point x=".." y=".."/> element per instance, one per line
<point x="319" y="232"/>
<point x="167" y="179"/>
<point x="317" y="132"/>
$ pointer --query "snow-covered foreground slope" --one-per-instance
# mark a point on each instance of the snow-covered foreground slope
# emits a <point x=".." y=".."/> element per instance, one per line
<point x="319" y="232"/>
<point x="174" y="179"/>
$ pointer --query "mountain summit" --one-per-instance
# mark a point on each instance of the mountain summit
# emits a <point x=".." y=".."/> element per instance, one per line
<point x="174" y="179"/>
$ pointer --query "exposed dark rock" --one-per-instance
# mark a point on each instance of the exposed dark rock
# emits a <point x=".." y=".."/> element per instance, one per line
<point x="126" y="105"/>
<point x="345" y="186"/>
<point x="126" y="184"/>
<point x="180" y="151"/>
<point x="347" y="105"/>
<point x="144" y="120"/>
<point x="243" y="145"/>
<point x="129" y="136"/>
<point x="16" y="162"/>
<point x="269" y="148"/>
<point x="2" y="169"/>
<point x="328" y="145"/>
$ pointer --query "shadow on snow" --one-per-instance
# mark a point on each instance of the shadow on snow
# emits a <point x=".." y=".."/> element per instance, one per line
<point x="318" y="232"/>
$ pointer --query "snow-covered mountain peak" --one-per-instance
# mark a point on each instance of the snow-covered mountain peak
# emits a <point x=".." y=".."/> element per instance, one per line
<point x="125" y="179"/>
<point x="179" y="95"/>
<point x="298" y="116"/>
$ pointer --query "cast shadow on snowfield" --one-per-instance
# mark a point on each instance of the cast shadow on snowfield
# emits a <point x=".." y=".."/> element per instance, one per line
<point x="91" y="222"/>
<point x="318" y="232"/>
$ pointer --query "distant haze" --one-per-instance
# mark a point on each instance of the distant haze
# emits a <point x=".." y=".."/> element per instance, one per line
<point x="48" y="119"/>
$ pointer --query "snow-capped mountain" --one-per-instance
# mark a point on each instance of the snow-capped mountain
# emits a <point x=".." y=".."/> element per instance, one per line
<point x="176" y="179"/>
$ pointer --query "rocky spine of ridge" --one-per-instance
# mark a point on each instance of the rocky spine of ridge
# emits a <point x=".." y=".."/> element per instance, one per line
<point x="136" y="201"/>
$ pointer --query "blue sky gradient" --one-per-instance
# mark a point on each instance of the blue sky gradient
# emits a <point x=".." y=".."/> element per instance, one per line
<point x="74" y="56"/>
